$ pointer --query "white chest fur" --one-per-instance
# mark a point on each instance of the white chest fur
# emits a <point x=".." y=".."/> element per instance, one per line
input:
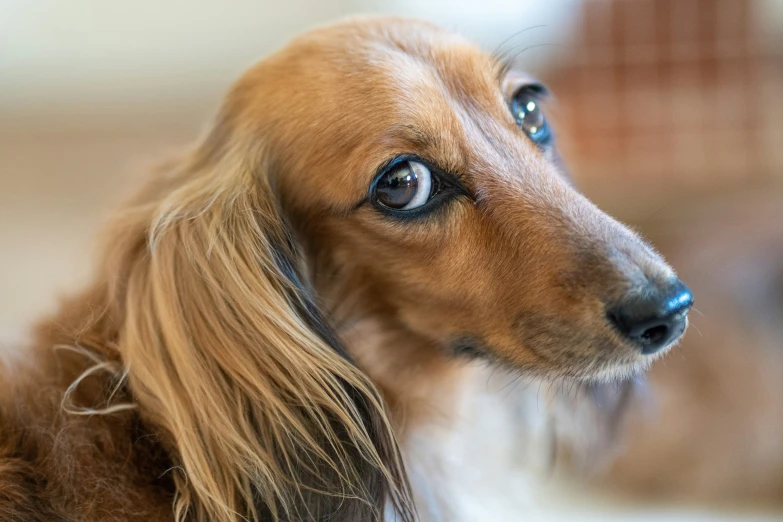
<point x="484" y="461"/>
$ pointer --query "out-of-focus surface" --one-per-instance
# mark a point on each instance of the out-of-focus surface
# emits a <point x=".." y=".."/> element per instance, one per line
<point x="669" y="114"/>
<point x="663" y="101"/>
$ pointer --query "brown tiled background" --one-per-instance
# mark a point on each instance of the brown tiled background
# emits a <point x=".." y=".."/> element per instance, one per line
<point x="672" y="99"/>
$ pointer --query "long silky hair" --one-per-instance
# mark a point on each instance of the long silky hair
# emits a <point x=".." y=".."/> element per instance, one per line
<point x="264" y="415"/>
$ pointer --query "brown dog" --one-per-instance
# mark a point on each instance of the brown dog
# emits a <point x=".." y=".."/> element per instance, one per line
<point x="375" y="207"/>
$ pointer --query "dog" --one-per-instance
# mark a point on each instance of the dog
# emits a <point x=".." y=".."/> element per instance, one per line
<point x="300" y="317"/>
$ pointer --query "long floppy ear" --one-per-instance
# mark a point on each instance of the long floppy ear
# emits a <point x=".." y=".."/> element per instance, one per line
<point x="265" y="415"/>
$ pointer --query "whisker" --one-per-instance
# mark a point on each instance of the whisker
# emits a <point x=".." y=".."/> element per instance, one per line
<point x="497" y="51"/>
<point x="508" y="60"/>
<point x="697" y="329"/>
<point x="655" y="213"/>
<point x="538" y="397"/>
<point x="514" y="384"/>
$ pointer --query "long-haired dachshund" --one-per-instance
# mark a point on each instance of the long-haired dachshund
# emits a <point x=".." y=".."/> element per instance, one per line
<point x="298" y="318"/>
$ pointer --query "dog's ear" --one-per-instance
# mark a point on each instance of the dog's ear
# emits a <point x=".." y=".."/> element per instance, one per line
<point x="265" y="415"/>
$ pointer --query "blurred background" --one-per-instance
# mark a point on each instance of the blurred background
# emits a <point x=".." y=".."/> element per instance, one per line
<point x="669" y="114"/>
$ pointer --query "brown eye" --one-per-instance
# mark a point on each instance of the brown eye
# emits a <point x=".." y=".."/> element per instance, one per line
<point x="526" y="109"/>
<point x="405" y="186"/>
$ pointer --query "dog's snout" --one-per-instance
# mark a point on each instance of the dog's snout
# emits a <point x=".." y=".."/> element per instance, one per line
<point x="653" y="318"/>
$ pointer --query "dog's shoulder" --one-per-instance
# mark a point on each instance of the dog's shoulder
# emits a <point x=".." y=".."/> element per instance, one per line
<point x="57" y="466"/>
<point x="23" y="487"/>
<point x="23" y="495"/>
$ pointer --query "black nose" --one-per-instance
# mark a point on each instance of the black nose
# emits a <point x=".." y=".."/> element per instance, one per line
<point x="655" y="317"/>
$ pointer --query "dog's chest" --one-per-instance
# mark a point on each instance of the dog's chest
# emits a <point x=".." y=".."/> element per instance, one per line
<point x="482" y="463"/>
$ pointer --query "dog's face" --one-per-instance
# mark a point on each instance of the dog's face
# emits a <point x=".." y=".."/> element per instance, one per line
<point x="408" y="158"/>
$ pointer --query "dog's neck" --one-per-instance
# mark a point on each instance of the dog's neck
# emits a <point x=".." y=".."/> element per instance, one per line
<point x="472" y="436"/>
<point x="471" y="439"/>
<point x="418" y="381"/>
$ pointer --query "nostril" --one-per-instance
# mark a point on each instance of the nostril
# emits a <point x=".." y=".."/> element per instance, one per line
<point x="656" y="334"/>
<point x="654" y="319"/>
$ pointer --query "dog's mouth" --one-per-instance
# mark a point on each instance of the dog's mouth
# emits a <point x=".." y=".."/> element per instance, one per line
<point x="618" y="344"/>
<point x="552" y="349"/>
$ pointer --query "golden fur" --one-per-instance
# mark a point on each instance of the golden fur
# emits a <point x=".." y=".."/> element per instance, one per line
<point x="206" y="374"/>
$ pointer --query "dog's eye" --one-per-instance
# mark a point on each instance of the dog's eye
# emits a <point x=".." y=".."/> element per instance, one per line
<point x="405" y="186"/>
<point x="526" y="108"/>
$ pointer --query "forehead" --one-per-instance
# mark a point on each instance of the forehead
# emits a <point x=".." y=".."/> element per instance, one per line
<point x="430" y="89"/>
<point x="432" y="78"/>
<point x="430" y="104"/>
<point x="401" y="69"/>
<point x="355" y="96"/>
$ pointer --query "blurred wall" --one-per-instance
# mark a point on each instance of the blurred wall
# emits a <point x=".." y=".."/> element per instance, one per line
<point x="99" y="58"/>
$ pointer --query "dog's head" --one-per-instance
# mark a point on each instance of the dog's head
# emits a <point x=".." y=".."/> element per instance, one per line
<point x="403" y="153"/>
<point x="392" y="154"/>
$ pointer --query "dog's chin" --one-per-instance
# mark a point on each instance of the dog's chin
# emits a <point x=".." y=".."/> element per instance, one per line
<point x="603" y="372"/>
<point x="601" y="369"/>
<point x="616" y="372"/>
<point x="613" y="362"/>
<point x="589" y="369"/>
